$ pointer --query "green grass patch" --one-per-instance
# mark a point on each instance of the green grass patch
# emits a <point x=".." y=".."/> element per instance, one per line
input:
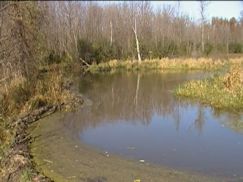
<point x="221" y="92"/>
<point x="26" y="175"/>
<point x="6" y="137"/>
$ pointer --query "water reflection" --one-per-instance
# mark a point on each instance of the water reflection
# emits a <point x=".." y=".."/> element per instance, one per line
<point x="133" y="97"/>
<point x="138" y="110"/>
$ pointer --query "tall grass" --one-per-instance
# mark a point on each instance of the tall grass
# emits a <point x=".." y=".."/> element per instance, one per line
<point x="222" y="92"/>
<point x="48" y="90"/>
<point x="164" y="64"/>
<point x="5" y="137"/>
<point x="21" y="95"/>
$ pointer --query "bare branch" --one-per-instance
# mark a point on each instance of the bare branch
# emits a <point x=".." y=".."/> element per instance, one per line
<point x="7" y="6"/>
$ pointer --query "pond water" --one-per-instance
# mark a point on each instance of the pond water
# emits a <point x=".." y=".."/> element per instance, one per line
<point x="136" y="115"/>
<point x="135" y="120"/>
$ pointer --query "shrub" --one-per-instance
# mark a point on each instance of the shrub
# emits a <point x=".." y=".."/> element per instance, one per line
<point x="98" y="52"/>
<point x="235" y="48"/>
<point x="208" y="49"/>
<point x="85" y="50"/>
<point x="15" y="94"/>
<point x="53" y="58"/>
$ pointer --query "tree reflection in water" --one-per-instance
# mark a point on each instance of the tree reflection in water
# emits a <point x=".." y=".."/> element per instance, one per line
<point x="136" y="98"/>
<point x="140" y="110"/>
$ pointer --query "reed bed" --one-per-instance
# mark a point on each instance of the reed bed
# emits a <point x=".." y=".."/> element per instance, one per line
<point x="221" y="92"/>
<point x="164" y="64"/>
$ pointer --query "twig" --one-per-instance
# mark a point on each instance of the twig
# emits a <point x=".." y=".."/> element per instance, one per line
<point x="85" y="62"/>
<point x="6" y="6"/>
<point x="2" y="80"/>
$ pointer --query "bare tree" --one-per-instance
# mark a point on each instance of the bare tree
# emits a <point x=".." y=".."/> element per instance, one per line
<point x="203" y="7"/>
<point x="111" y="39"/>
<point x="20" y="41"/>
<point x="137" y="42"/>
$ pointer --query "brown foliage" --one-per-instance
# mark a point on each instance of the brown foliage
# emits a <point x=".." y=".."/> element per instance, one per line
<point x="234" y="79"/>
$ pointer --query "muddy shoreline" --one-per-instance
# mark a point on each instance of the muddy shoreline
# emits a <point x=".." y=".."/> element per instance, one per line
<point x="18" y="157"/>
<point x="63" y="158"/>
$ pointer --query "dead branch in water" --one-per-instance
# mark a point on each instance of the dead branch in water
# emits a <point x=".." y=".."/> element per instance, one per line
<point x="87" y="64"/>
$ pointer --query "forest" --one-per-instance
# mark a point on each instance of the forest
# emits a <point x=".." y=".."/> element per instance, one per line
<point x="97" y="33"/>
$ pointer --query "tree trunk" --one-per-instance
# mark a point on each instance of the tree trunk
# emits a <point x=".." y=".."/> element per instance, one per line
<point x="227" y="47"/>
<point x="203" y="38"/>
<point x="137" y="42"/>
<point x="111" y="39"/>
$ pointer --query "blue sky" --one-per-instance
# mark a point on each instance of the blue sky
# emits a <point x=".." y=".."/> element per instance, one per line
<point x="224" y="9"/>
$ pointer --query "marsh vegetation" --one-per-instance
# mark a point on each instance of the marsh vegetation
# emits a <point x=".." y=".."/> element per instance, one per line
<point x="222" y="92"/>
<point x="166" y="64"/>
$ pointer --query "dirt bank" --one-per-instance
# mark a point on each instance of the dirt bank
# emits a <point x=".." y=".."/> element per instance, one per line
<point x="17" y="163"/>
<point x="18" y="159"/>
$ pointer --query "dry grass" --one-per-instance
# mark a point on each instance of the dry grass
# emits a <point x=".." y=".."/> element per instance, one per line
<point x="5" y="137"/>
<point x="165" y="64"/>
<point x="233" y="80"/>
<point x="48" y="91"/>
<point x="20" y="95"/>
<point x="222" y="92"/>
<point x="14" y="93"/>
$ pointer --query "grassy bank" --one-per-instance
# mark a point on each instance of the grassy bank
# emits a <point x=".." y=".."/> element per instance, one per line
<point x="20" y="97"/>
<point x="164" y="64"/>
<point x="221" y="92"/>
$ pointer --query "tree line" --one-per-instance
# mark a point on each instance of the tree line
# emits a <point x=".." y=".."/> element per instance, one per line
<point x="101" y="32"/>
<point x="46" y="32"/>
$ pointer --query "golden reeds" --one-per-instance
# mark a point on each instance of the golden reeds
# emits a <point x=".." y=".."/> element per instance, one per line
<point x="164" y="64"/>
<point x="222" y="92"/>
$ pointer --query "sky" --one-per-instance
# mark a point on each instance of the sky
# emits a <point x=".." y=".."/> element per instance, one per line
<point x="223" y="9"/>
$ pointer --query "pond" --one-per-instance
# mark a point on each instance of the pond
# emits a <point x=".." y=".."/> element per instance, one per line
<point x="137" y="117"/>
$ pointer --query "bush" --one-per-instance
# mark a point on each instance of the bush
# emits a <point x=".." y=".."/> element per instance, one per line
<point x="53" y="58"/>
<point x="20" y="94"/>
<point x="208" y="48"/>
<point x="14" y="96"/>
<point x="85" y="50"/>
<point x="235" y="48"/>
<point x="98" y="52"/>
